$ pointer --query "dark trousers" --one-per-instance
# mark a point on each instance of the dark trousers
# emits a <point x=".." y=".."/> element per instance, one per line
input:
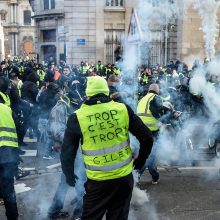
<point x="109" y="196"/>
<point x="7" y="173"/>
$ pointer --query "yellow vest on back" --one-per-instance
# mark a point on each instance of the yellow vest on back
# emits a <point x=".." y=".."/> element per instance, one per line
<point x="8" y="134"/>
<point x="143" y="111"/>
<point x="6" y="99"/>
<point x="106" y="151"/>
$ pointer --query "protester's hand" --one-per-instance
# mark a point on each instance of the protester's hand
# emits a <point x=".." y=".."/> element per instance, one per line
<point x="71" y="180"/>
<point x="177" y="114"/>
<point x="56" y="147"/>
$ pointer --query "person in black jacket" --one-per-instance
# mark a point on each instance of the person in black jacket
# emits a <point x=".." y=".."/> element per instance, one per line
<point x="47" y="100"/>
<point x="102" y="196"/>
<point x="29" y="91"/>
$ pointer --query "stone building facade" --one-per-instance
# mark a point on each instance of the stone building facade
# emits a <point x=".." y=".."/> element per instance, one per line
<point x="92" y="30"/>
<point x="18" y="28"/>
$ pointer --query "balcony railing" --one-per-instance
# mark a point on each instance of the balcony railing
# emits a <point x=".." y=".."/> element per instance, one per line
<point x="114" y="3"/>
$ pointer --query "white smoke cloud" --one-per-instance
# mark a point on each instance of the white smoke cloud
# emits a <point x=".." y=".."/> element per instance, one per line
<point x="207" y="10"/>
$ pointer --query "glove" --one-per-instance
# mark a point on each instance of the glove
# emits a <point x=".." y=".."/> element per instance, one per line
<point x="71" y="180"/>
<point x="138" y="164"/>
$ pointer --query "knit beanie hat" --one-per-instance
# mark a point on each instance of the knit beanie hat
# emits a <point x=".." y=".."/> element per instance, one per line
<point x="96" y="85"/>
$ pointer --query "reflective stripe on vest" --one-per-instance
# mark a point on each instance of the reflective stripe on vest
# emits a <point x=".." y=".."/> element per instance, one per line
<point x="6" y="99"/>
<point x="8" y="134"/>
<point x="5" y="138"/>
<point x="41" y="74"/>
<point x="109" y="167"/>
<point x="105" y="149"/>
<point x="145" y="114"/>
<point x="84" y="70"/>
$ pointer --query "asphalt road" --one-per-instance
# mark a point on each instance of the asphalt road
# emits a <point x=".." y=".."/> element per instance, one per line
<point x="183" y="193"/>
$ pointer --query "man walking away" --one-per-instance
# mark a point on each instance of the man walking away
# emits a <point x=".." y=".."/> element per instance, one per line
<point x="102" y="126"/>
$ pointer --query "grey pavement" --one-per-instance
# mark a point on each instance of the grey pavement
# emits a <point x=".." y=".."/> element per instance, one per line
<point x="180" y="195"/>
<point x="183" y="193"/>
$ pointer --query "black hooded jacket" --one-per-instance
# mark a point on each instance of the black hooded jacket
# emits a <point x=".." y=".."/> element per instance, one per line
<point x="73" y="135"/>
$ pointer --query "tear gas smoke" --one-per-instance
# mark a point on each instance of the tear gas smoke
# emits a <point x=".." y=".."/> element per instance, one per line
<point x="208" y="10"/>
<point x="200" y="84"/>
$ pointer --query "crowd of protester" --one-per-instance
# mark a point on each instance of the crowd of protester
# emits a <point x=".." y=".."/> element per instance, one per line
<point x="42" y="97"/>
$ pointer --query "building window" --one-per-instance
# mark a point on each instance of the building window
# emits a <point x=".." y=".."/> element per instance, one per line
<point x="116" y="3"/>
<point x="49" y="35"/>
<point x="27" y="17"/>
<point x="49" y="4"/>
<point x="3" y="17"/>
<point x="114" y="44"/>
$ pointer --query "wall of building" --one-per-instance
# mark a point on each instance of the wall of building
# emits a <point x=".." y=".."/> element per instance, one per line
<point x="88" y="22"/>
<point x="2" y="40"/>
<point x="191" y="44"/>
<point x="16" y="33"/>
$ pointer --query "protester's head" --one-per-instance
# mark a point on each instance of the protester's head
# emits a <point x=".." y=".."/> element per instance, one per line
<point x="33" y="77"/>
<point x="66" y="70"/>
<point x="4" y="84"/>
<point x="96" y="85"/>
<point x="154" y="88"/>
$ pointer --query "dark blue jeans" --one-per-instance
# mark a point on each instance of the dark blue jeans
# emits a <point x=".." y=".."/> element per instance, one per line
<point x="7" y="173"/>
<point x="151" y="162"/>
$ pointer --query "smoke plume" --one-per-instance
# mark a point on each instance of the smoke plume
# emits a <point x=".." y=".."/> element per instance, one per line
<point x="207" y="10"/>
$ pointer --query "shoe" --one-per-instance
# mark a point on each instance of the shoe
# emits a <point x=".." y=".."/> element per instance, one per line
<point x="21" y="174"/>
<point x="60" y="214"/>
<point x="77" y="213"/>
<point x="155" y="182"/>
<point x="48" y="157"/>
<point x="75" y="218"/>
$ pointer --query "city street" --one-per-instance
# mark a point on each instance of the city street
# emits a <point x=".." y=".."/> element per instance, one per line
<point x="183" y="192"/>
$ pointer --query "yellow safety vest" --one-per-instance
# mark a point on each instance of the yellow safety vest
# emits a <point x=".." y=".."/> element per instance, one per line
<point x="143" y="111"/>
<point x="21" y="70"/>
<point x="41" y="74"/>
<point x="117" y="71"/>
<point x="99" y="67"/>
<point x="106" y="150"/>
<point x="8" y="134"/>
<point x="145" y="79"/>
<point x="6" y="99"/>
<point x="84" y="70"/>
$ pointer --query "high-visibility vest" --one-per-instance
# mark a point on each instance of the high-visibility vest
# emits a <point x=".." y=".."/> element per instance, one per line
<point x="99" y="67"/>
<point x="84" y="70"/>
<point x="117" y="71"/>
<point x="41" y="74"/>
<point x="107" y="70"/>
<point x="106" y="150"/>
<point x="145" y="78"/>
<point x="143" y="111"/>
<point x="8" y="134"/>
<point x="21" y="70"/>
<point x="6" y="99"/>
